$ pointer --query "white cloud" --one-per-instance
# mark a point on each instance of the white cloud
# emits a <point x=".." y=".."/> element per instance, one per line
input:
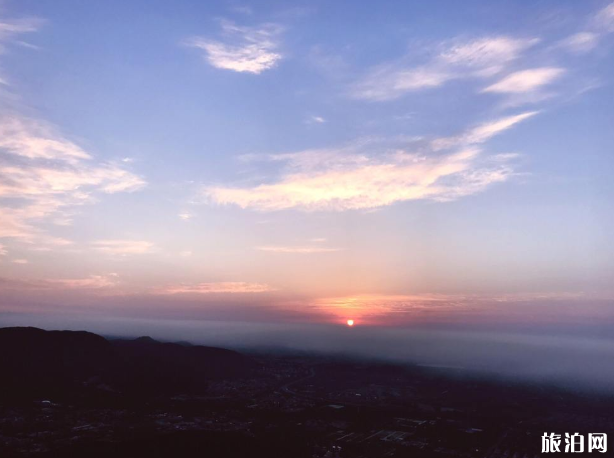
<point x="186" y="216"/>
<point x="3" y="251"/>
<point x="316" y="120"/>
<point x="124" y="247"/>
<point x="580" y="42"/>
<point x="482" y="132"/>
<point x="388" y="84"/>
<point x="297" y="249"/>
<point x="42" y="173"/>
<point x="9" y="29"/>
<point x="20" y="261"/>
<point x="478" y="58"/>
<point x="604" y="19"/>
<point x="363" y="176"/>
<point x="488" y="53"/>
<point x="526" y="80"/>
<point x="245" y="49"/>
<point x="48" y="174"/>
<point x="216" y="288"/>
<point x="34" y="140"/>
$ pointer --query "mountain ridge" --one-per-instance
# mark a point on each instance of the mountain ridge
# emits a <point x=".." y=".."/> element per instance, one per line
<point x="38" y="362"/>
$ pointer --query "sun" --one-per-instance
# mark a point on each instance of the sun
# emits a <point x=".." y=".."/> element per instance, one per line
<point x="350" y="323"/>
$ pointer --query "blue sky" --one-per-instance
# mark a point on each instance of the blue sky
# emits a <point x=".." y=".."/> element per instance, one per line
<point x="393" y="163"/>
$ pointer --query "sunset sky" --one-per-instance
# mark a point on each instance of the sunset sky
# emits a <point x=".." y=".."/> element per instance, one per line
<point x="394" y="163"/>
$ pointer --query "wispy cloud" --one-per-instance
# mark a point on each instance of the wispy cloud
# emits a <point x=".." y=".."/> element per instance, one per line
<point x="363" y="177"/>
<point x="91" y="282"/>
<point x="379" y="182"/>
<point x="9" y="29"/>
<point x="3" y="251"/>
<point x="478" y="58"/>
<point x="383" y="308"/>
<point x="217" y="288"/>
<point x="482" y="132"/>
<point x="297" y="249"/>
<point x="34" y="140"/>
<point x="580" y="42"/>
<point x="604" y="19"/>
<point x="106" y="283"/>
<point x="20" y="261"/>
<point x="602" y="23"/>
<point x="316" y="120"/>
<point x="242" y="49"/>
<point x="42" y="173"/>
<point x="48" y="174"/>
<point x="123" y="247"/>
<point x="526" y="80"/>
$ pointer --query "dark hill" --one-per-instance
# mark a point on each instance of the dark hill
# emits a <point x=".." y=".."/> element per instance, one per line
<point x="38" y="363"/>
<point x="177" y="366"/>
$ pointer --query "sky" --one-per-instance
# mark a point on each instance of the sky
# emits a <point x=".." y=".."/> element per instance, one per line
<point x="423" y="165"/>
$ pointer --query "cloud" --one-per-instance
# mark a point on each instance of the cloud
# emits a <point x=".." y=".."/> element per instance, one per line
<point x="526" y="80"/>
<point x="42" y="173"/>
<point x="316" y="120"/>
<point x="46" y="174"/>
<point x="362" y="305"/>
<point x="378" y="183"/>
<point x="488" y="53"/>
<point x="9" y="29"/>
<point x="601" y="24"/>
<point x="217" y="288"/>
<point x="186" y="216"/>
<point x="34" y="140"/>
<point x="3" y="251"/>
<point x="580" y="42"/>
<point x="390" y="83"/>
<point x="123" y="247"/>
<point x="91" y="282"/>
<point x="604" y="19"/>
<point x="376" y="309"/>
<point x="297" y="249"/>
<point x="478" y="58"/>
<point x="482" y="132"/>
<point x="245" y="49"/>
<point x="363" y="177"/>
<point x="20" y="261"/>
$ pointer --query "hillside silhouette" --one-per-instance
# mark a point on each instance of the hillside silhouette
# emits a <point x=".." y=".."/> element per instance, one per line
<point x="39" y="363"/>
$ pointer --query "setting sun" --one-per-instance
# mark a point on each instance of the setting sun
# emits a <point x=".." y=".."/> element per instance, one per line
<point x="350" y="322"/>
